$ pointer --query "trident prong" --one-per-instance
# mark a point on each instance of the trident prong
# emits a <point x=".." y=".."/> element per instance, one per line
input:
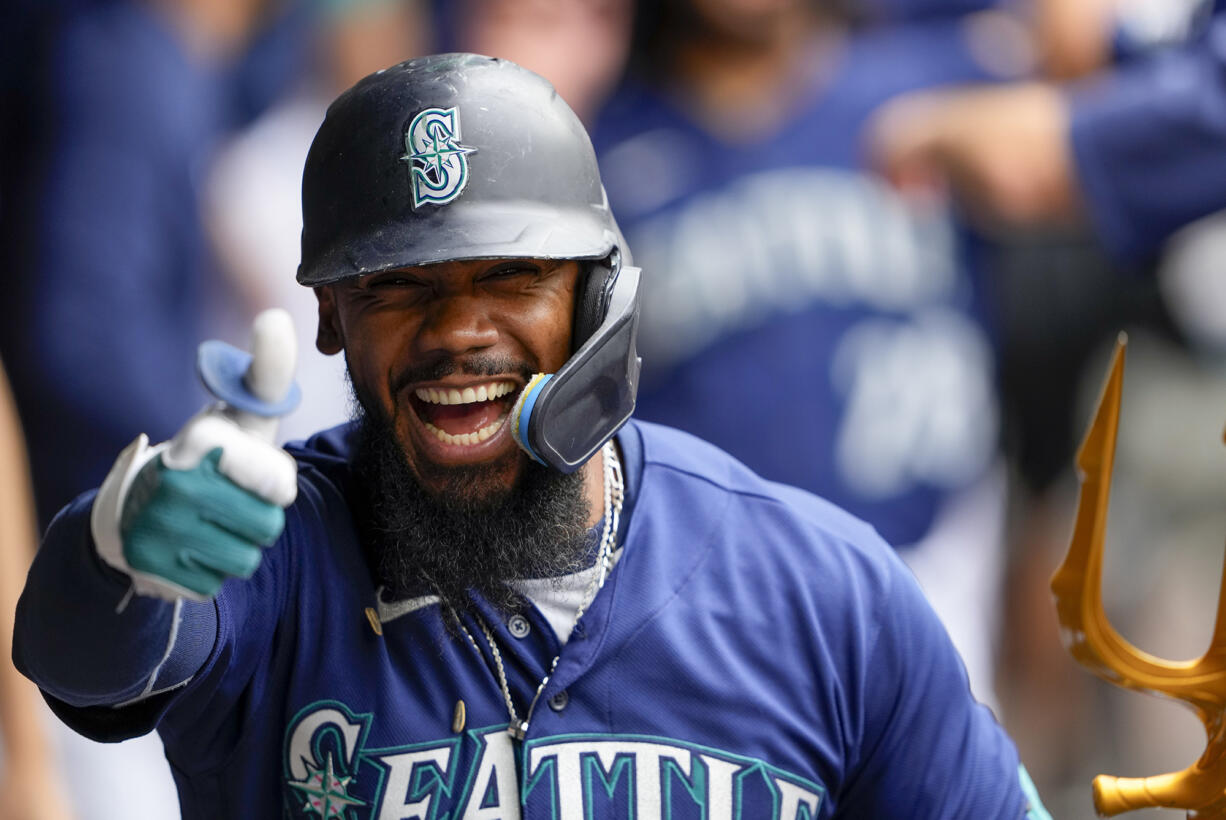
<point x="1199" y="684"/>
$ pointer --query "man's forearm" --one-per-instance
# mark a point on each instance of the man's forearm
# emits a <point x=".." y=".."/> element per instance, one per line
<point x="84" y="640"/>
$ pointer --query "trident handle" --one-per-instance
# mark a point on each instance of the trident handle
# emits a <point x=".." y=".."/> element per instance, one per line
<point x="1088" y="635"/>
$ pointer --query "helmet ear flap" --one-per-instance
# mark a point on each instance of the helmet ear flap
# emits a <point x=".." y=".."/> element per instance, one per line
<point x="592" y="292"/>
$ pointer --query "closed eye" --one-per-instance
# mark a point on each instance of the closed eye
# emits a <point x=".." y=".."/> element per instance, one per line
<point x="392" y="280"/>
<point x="511" y="270"/>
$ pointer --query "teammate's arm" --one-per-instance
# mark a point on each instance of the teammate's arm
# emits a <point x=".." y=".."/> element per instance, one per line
<point x="1138" y="151"/>
<point x="1149" y="144"/>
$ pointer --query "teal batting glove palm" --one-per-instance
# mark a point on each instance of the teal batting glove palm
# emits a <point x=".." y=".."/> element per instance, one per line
<point x="197" y="527"/>
<point x="182" y="517"/>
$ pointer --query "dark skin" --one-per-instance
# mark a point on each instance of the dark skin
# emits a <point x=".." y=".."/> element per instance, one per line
<point x="412" y="336"/>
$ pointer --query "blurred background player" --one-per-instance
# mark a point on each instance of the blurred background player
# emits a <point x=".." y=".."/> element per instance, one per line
<point x="118" y="108"/>
<point x="800" y="314"/>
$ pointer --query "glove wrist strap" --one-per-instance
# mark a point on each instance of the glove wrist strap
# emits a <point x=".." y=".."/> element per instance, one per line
<point x="106" y="517"/>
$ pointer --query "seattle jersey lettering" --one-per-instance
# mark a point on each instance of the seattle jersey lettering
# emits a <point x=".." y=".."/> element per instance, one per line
<point x="331" y="772"/>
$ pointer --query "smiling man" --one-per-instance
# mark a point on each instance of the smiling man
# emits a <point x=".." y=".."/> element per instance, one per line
<point x="491" y="595"/>
<point x="438" y="355"/>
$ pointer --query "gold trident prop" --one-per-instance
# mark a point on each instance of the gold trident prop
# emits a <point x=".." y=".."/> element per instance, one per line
<point x="1088" y="635"/>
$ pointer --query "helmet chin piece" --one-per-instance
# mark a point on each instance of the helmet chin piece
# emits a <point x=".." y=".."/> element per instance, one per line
<point x="562" y="419"/>
<point x="458" y="157"/>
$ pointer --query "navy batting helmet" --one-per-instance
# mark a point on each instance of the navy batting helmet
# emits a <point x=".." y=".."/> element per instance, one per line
<point x="458" y="156"/>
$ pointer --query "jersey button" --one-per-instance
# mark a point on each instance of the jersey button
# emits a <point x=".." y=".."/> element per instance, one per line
<point x="559" y="700"/>
<point x="519" y="626"/>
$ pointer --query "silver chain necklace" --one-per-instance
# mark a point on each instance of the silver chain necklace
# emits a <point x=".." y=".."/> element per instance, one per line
<point x="614" y="497"/>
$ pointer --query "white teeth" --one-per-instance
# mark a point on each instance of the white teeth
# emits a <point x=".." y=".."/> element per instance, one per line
<point x="469" y="395"/>
<point x="467" y="439"/>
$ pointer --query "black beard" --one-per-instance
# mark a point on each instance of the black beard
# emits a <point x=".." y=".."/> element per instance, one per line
<point x="470" y="536"/>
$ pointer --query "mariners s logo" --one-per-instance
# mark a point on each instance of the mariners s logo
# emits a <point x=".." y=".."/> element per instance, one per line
<point x="439" y="161"/>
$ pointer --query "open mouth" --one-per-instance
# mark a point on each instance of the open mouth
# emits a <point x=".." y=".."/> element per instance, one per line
<point x="464" y="416"/>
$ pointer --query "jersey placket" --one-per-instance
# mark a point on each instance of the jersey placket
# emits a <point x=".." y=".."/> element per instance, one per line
<point x="526" y="645"/>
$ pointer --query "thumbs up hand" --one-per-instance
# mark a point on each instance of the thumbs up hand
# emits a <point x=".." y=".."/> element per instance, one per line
<point x="182" y="517"/>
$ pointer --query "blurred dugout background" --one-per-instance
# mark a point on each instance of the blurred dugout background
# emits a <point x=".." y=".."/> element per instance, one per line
<point x="150" y="153"/>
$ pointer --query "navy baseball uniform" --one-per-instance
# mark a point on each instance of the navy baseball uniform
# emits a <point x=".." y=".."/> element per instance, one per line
<point x="756" y="653"/>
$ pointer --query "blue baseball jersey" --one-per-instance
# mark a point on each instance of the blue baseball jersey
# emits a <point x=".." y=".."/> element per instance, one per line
<point x="850" y="322"/>
<point x="755" y="653"/>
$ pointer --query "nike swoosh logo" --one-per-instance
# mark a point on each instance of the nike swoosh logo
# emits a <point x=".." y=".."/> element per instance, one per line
<point x="390" y="612"/>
